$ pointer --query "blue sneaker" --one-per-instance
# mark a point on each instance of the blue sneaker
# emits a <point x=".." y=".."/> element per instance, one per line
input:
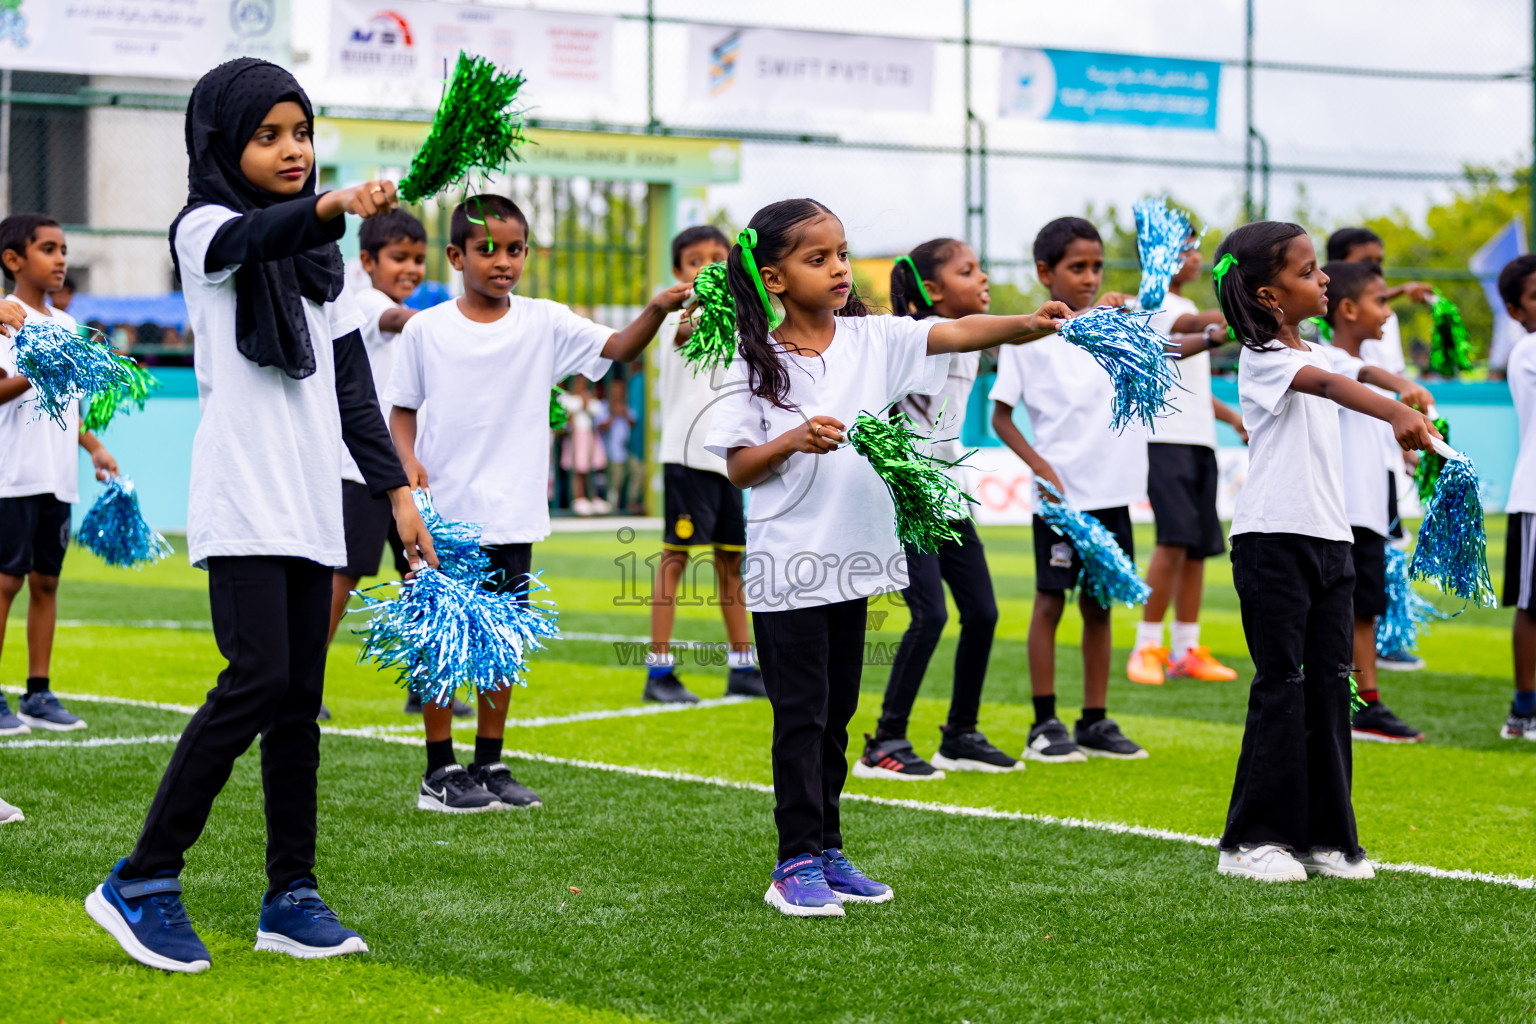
<point x="1400" y="660"/>
<point x="10" y="725"/>
<point x="42" y="710"/>
<point x="298" y="922"/>
<point x="147" y="919"/>
<point x="799" y="889"/>
<point x="849" y="882"/>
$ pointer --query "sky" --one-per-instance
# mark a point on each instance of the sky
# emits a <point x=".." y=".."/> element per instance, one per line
<point x="890" y="201"/>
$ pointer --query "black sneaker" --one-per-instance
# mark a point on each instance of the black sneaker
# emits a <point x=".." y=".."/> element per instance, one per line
<point x="453" y="790"/>
<point x="1375" y="723"/>
<point x="745" y="682"/>
<point x="498" y="781"/>
<point x="1049" y="741"/>
<point x="460" y="709"/>
<point x="893" y="759"/>
<point x="1104" y="739"/>
<point x="667" y="689"/>
<point x="970" y="752"/>
<point x="324" y="714"/>
<point x="1518" y="726"/>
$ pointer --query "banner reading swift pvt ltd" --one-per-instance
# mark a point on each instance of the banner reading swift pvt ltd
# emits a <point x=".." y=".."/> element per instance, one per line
<point x="752" y="70"/>
<point x="1109" y="88"/>
<point x="410" y="40"/>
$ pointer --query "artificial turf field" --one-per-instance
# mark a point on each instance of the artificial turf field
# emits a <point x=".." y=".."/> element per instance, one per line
<point x="1004" y="911"/>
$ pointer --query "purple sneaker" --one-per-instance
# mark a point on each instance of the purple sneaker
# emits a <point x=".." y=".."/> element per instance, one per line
<point x="849" y="882"/>
<point x="799" y="889"/>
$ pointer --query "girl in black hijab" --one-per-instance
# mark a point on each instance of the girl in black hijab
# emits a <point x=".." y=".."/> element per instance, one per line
<point x="282" y="380"/>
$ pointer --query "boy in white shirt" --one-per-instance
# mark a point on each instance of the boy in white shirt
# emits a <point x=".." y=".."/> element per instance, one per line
<point x="1357" y="309"/>
<point x="1095" y="468"/>
<point x="481" y="368"/>
<point x="38" y="473"/>
<point x="1517" y="287"/>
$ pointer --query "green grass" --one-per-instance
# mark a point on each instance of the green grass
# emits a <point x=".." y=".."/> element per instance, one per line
<point x="995" y="920"/>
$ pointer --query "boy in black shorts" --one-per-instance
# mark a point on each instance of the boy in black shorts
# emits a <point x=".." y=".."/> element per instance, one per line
<point x="1517" y="287"/>
<point x="700" y="506"/>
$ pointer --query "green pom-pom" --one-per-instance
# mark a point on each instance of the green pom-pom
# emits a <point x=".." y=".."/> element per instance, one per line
<point x="926" y="498"/>
<point x="558" y="417"/>
<point x="1431" y="463"/>
<point x="1324" y="332"/>
<point x="105" y="405"/>
<point x="1450" y="354"/>
<point x="474" y="129"/>
<point x="1356" y="702"/>
<point x="713" y="341"/>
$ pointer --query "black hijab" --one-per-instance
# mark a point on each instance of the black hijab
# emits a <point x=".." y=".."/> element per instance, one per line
<point x="227" y="106"/>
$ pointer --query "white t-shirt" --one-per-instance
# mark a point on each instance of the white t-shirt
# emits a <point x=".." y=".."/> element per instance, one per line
<point x="687" y="405"/>
<point x="942" y="416"/>
<point x="483" y="390"/>
<point x="37" y="456"/>
<point x="822" y="529"/>
<point x="1387" y="353"/>
<point x="1068" y="398"/>
<point x="1295" y="478"/>
<point x="266" y="459"/>
<point x="381" y="360"/>
<point x="1362" y="439"/>
<point x="1521" y="370"/>
<point x="1194" y="422"/>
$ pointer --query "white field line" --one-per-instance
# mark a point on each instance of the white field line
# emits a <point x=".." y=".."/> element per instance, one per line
<point x="203" y="624"/>
<point x="955" y="810"/>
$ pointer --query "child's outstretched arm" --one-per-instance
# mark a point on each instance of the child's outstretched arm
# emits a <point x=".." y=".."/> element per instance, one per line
<point x="287" y="229"/>
<point x="981" y="330"/>
<point x="1211" y="336"/>
<point x="1407" y="391"/>
<point x="748" y="467"/>
<point x="1413" y="429"/>
<point x="1010" y="434"/>
<point x="106" y="465"/>
<point x="630" y="340"/>
<point x="12" y="386"/>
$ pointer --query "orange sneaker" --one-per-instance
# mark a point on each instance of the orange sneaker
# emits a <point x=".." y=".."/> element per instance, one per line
<point x="1146" y="665"/>
<point x="1198" y="664"/>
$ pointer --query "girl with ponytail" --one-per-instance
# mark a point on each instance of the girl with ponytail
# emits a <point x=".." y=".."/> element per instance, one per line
<point x="821" y="536"/>
<point x="1291" y="813"/>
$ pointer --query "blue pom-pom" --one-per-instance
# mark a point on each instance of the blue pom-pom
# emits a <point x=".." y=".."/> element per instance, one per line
<point x="65" y="367"/>
<point x="1162" y="238"/>
<point x="440" y="633"/>
<point x="1108" y="575"/>
<point x="115" y="529"/>
<point x="1453" y="549"/>
<point x="457" y="543"/>
<point x="1134" y="355"/>
<point x="1407" y="613"/>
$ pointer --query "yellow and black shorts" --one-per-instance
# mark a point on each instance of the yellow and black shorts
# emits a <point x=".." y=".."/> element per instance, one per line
<point x="702" y="509"/>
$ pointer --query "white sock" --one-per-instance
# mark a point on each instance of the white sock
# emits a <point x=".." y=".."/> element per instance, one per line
<point x="654" y="660"/>
<point x="741" y="659"/>
<point x="1185" y="636"/>
<point x="1149" y="634"/>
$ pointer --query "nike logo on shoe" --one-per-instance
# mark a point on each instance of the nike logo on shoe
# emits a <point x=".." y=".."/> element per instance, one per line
<point x="132" y="916"/>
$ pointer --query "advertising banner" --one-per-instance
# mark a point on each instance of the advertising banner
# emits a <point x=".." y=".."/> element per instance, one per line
<point x="1109" y="88"/>
<point x="412" y="40"/>
<point x="754" y="70"/>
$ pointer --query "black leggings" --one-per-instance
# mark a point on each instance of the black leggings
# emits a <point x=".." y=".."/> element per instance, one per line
<point x="270" y="618"/>
<point x="963" y="565"/>
<point x="812" y="659"/>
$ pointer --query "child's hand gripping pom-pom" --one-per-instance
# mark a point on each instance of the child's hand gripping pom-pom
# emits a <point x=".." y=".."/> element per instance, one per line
<point x="713" y="319"/>
<point x="1108" y="575"/>
<point x="63" y="366"/>
<point x="1431" y="462"/>
<point x="475" y="128"/>
<point x="115" y="529"/>
<point x="1407" y="613"/>
<point x="441" y="633"/>
<point x="1134" y="355"/>
<point x="926" y="498"/>
<point x="456" y="542"/>
<point x="1450" y="353"/>
<point x="558" y="417"/>
<point x="105" y="405"/>
<point x="1162" y="238"/>
<point x="1452" y="550"/>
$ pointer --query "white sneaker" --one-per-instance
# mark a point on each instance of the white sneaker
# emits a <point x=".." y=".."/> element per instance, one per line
<point x="582" y="507"/>
<point x="9" y="813"/>
<point x="1332" y="864"/>
<point x="600" y="507"/>
<point x="1264" y="863"/>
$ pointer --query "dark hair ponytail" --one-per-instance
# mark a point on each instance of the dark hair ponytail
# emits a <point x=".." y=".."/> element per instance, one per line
<point x="1259" y="250"/>
<point x="775" y="225"/>
<point x="906" y="287"/>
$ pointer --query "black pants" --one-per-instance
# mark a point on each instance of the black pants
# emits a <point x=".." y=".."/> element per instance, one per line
<point x="1293" y="775"/>
<point x="811" y="660"/>
<point x="270" y="618"/>
<point x="963" y="565"/>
